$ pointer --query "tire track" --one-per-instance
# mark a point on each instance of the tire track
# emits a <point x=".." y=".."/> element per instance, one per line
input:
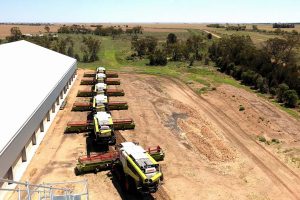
<point x="227" y="126"/>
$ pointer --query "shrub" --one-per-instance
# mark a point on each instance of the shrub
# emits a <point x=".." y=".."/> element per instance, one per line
<point x="272" y="91"/>
<point x="280" y="90"/>
<point x="77" y="57"/>
<point x="206" y="61"/>
<point x="261" y="138"/>
<point x="275" y="141"/>
<point x="209" y="36"/>
<point x="290" y="98"/>
<point x="248" y="77"/>
<point x="158" y="58"/>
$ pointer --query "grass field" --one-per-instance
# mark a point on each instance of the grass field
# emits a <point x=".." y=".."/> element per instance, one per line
<point x="201" y="78"/>
<point x="114" y="52"/>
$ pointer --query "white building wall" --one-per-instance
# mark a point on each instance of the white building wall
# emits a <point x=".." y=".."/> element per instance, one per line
<point x="19" y="167"/>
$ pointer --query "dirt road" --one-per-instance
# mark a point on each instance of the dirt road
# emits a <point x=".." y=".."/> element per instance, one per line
<point x="215" y="35"/>
<point x="211" y="147"/>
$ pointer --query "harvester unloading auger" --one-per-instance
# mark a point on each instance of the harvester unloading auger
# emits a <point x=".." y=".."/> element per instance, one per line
<point x="136" y="169"/>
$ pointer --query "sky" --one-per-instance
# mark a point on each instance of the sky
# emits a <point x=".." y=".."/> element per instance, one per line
<point x="163" y="11"/>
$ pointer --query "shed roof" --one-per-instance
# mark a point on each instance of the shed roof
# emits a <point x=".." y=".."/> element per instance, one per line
<point x="29" y="73"/>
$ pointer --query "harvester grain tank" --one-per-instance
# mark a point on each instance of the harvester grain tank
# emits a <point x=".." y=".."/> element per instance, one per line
<point x="136" y="168"/>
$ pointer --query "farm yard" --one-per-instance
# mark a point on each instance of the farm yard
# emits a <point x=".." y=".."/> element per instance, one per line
<point x="222" y="139"/>
<point x="207" y="141"/>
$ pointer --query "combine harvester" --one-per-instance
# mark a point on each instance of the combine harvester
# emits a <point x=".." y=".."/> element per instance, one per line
<point x="100" y="102"/>
<point x="100" y="77"/>
<point x="86" y="126"/>
<point x="135" y="168"/>
<point x="100" y="88"/>
<point x="101" y="70"/>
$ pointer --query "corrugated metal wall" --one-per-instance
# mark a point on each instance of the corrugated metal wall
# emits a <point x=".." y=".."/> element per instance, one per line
<point x="11" y="153"/>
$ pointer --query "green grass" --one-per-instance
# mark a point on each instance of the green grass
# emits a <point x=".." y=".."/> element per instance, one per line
<point x="113" y="54"/>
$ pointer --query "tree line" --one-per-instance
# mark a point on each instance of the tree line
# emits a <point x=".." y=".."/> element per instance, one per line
<point x="89" y="48"/>
<point x="99" y="30"/>
<point x="271" y="68"/>
<point x="283" y="25"/>
<point x="172" y="49"/>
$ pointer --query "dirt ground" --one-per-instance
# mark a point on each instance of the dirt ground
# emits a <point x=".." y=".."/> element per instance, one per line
<point x="212" y="150"/>
<point x="26" y="29"/>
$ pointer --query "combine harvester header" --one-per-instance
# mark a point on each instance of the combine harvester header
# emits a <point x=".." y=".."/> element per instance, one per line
<point x="100" y="103"/>
<point x="101" y="70"/>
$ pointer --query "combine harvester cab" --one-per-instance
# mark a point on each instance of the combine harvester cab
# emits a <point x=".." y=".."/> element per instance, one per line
<point x="103" y="128"/>
<point x="100" y="88"/>
<point x="100" y="77"/>
<point x="137" y="169"/>
<point x="100" y="103"/>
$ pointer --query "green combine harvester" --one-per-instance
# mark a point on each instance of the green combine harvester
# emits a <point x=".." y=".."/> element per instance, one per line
<point x="100" y="88"/>
<point x="137" y="169"/>
<point x="101" y="70"/>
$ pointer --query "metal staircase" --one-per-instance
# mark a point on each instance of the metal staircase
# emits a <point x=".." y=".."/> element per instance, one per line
<point x="69" y="190"/>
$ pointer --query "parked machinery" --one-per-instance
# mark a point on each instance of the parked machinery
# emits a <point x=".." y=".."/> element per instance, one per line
<point x="136" y="169"/>
<point x="100" y="102"/>
<point x="101" y="70"/>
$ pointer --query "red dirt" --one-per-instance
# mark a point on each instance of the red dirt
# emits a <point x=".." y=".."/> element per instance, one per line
<point x="211" y="147"/>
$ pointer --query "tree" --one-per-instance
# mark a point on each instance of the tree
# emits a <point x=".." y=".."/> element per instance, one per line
<point x="282" y="88"/>
<point x="47" y="29"/>
<point x="209" y="36"/>
<point x="77" y="57"/>
<point x="171" y="39"/>
<point x="139" y="45"/>
<point x="254" y="28"/>
<point x="90" y="49"/>
<point x="290" y="98"/>
<point x="158" y="58"/>
<point x="195" y="44"/>
<point x="144" y="46"/>
<point x="70" y="51"/>
<point x="248" y="77"/>
<point x="15" y="34"/>
<point x="282" y="50"/>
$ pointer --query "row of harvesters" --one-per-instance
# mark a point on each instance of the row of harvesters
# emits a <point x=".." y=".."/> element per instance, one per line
<point x="136" y="169"/>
